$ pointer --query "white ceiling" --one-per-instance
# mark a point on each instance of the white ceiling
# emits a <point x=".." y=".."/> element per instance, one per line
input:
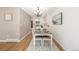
<point x="30" y="10"/>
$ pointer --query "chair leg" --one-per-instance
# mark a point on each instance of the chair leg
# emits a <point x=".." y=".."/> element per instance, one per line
<point x="42" y="43"/>
<point x="51" y="42"/>
<point x="34" y="41"/>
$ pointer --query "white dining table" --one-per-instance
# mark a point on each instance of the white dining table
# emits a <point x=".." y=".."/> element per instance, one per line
<point x="41" y="35"/>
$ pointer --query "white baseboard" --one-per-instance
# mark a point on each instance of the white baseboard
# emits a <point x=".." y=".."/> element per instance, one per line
<point x="15" y="40"/>
<point x="25" y="36"/>
<point x="10" y="40"/>
<point x="58" y="41"/>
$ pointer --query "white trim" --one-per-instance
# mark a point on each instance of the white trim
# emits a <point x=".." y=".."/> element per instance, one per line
<point x="25" y="36"/>
<point x="15" y="40"/>
<point x="58" y="41"/>
<point x="9" y="40"/>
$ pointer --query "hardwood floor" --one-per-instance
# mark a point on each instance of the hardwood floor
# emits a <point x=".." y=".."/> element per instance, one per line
<point x="23" y="45"/>
<point x="13" y="46"/>
<point x="57" y="46"/>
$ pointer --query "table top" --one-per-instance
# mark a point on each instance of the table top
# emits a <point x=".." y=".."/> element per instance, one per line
<point x="42" y="33"/>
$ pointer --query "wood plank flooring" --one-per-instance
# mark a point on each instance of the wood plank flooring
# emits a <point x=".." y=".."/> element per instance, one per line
<point x="23" y="45"/>
<point x="57" y="46"/>
<point x="13" y="46"/>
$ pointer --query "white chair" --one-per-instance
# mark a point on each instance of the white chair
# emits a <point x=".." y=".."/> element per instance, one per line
<point x="43" y="37"/>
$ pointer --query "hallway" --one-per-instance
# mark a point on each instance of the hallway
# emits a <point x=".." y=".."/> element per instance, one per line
<point x="39" y="29"/>
<point x="59" y="25"/>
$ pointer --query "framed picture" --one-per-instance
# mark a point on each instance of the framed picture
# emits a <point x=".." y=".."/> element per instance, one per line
<point x="57" y="19"/>
<point x="8" y="17"/>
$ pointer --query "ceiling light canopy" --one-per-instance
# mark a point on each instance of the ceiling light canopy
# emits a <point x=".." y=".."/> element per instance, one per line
<point x="38" y="11"/>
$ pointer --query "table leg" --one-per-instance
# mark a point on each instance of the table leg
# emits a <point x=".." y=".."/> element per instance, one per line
<point x="34" y="40"/>
<point x="51" y="42"/>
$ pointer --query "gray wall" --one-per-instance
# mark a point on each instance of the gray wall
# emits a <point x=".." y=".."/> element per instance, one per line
<point x="25" y="23"/>
<point x="15" y="29"/>
<point x="9" y="29"/>
<point x="66" y="34"/>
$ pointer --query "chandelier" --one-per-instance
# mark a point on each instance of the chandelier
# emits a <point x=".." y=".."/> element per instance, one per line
<point x="38" y="12"/>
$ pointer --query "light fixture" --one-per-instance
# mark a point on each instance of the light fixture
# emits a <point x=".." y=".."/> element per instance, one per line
<point x="38" y="12"/>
